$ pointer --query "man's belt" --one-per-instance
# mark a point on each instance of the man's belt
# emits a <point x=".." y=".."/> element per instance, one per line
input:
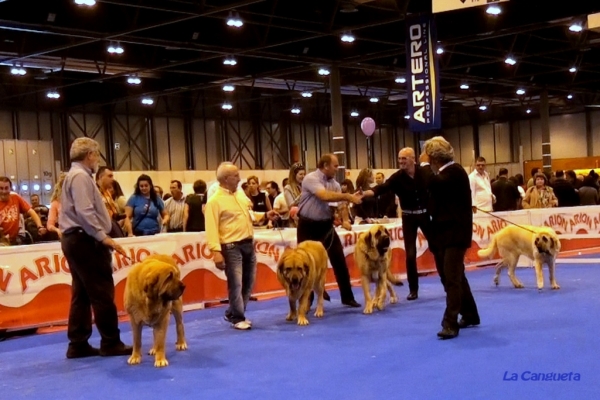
<point x="239" y="242"/>
<point x="414" y="212"/>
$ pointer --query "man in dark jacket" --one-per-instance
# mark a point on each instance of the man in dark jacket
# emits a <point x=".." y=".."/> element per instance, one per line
<point x="452" y="227"/>
<point x="507" y="194"/>
<point x="565" y="192"/>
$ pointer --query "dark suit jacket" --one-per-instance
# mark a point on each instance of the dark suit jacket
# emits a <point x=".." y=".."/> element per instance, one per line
<point x="507" y="195"/>
<point x="565" y="193"/>
<point x="450" y="208"/>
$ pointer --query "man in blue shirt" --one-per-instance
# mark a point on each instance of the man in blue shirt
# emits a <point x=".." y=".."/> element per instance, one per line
<point x="87" y="247"/>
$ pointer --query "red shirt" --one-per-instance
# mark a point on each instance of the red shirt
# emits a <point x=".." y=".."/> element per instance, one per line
<point x="10" y="212"/>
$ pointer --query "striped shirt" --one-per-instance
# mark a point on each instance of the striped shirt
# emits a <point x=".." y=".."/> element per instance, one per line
<point x="175" y="210"/>
<point x="309" y="205"/>
<point x="82" y="205"/>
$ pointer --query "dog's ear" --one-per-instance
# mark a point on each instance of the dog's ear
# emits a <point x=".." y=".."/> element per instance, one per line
<point x="306" y="269"/>
<point x="368" y="239"/>
<point x="386" y="231"/>
<point x="150" y="285"/>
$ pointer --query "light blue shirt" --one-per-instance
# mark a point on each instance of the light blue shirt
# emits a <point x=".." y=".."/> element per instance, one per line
<point x="82" y="205"/>
<point x="309" y="205"/>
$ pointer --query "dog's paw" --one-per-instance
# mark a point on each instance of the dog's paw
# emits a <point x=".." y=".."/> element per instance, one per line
<point x="380" y="305"/>
<point x="555" y="286"/>
<point x="394" y="300"/>
<point x="496" y="281"/>
<point x="319" y="313"/>
<point x="134" y="359"/>
<point x="290" y="317"/>
<point x="162" y="362"/>
<point x="519" y="286"/>
<point x="152" y="351"/>
<point x="302" y="321"/>
<point x="181" y="346"/>
<point x="368" y="309"/>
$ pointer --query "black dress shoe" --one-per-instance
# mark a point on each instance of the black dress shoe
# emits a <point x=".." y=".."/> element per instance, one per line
<point x="465" y="323"/>
<point x="447" y="333"/>
<point x="351" y="303"/>
<point x="82" y="351"/>
<point x="412" y="296"/>
<point x="120" y="349"/>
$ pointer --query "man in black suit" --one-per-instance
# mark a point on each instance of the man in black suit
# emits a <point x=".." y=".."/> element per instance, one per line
<point x="452" y="229"/>
<point x="507" y="194"/>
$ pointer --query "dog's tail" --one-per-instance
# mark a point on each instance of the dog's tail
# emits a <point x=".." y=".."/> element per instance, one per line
<point x="490" y="251"/>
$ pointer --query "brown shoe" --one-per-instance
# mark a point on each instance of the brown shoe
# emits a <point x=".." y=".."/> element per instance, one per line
<point x="82" y="351"/>
<point x="118" y="350"/>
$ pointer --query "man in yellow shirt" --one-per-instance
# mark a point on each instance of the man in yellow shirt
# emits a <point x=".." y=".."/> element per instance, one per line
<point x="230" y="234"/>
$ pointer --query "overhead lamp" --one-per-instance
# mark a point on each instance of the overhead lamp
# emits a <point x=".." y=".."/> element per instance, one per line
<point x="576" y="27"/>
<point x="528" y="111"/>
<point x="228" y="88"/>
<point x="324" y="71"/>
<point x="115" y="48"/>
<point x="88" y="3"/>
<point x="570" y="96"/>
<point x="53" y="94"/>
<point x="520" y="92"/>
<point x="354" y="114"/>
<point x="510" y="61"/>
<point x="464" y="86"/>
<point x="24" y="187"/>
<point x="483" y="107"/>
<point x="147" y="101"/>
<point x="400" y="79"/>
<point x="306" y="94"/>
<point x="36" y="187"/>
<point x="440" y="50"/>
<point x="47" y="186"/>
<point x="229" y="61"/>
<point x="134" y="80"/>
<point x="295" y="110"/>
<point x="234" y="20"/>
<point x="226" y="106"/>
<point x="573" y="70"/>
<point x="18" y="71"/>
<point x="374" y="99"/>
<point x="407" y="116"/>
<point x="348" y="37"/>
<point x="494" y="10"/>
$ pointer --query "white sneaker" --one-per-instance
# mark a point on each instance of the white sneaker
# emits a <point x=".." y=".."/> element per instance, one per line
<point x="242" y="325"/>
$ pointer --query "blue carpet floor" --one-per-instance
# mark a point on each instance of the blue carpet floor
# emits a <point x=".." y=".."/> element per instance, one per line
<point x="393" y="354"/>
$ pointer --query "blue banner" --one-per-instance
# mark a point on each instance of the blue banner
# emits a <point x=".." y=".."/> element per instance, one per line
<point x="422" y="70"/>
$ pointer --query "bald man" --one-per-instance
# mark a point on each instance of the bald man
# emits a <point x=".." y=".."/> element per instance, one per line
<point x="410" y="184"/>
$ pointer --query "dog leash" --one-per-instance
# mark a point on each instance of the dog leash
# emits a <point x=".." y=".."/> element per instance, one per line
<point x="505" y="220"/>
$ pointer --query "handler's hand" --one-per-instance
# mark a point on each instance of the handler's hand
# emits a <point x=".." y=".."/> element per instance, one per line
<point x="219" y="260"/>
<point x="111" y="244"/>
<point x="474" y="209"/>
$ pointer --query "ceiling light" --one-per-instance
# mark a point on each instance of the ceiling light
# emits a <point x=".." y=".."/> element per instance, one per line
<point x="295" y="110"/>
<point x="573" y="69"/>
<point x="407" y="116"/>
<point x="234" y="20"/>
<point x="85" y="2"/>
<point x="570" y="96"/>
<point x="306" y="94"/>
<point x="36" y="187"/>
<point x="226" y="106"/>
<point x="134" y="80"/>
<point x="511" y="61"/>
<point x="494" y="10"/>
<point x="324" y="71"/>
<point x="576" y="27"/>
<point x="528" y="111"/>
<point x="348" y="37"/>
<point x="115" y="48"/>
<point x="229" y="61"/>
<point x="24" y="187"/>
<point x="440" y="50"/>
<point x="520" y="92"/>
<point x="464" y="86"/>
<point x="228" y="88"/>
<point x="47" y="186"/>
<point x="354" y="114"/>
<point x="400" y="79"/>
<point x="18" y="71"/>
<point x="53" y="94"/>
<point x="147" y="101"/>
<point x="373" y="99"/>
<point x="483" y="107"/>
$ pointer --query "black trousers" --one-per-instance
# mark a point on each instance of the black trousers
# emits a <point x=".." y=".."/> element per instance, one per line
<point x="410" y="224"/>
<point x="90" y="263"/>
<point x="323" y="231"/>
<point x="459" y="299"/>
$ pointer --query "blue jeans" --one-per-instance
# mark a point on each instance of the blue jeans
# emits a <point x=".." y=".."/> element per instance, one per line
<point x="240" y="269"/>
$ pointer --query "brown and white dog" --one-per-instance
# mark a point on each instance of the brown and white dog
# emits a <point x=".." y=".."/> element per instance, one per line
<point x="539" y="244"/>
<point x="372" y="257"/>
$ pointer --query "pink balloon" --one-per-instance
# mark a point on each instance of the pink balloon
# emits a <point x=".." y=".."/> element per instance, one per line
<point x="368" y="126"/>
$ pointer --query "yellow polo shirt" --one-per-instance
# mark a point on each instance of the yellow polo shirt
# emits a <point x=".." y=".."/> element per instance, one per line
<point x="227" y="218"/>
